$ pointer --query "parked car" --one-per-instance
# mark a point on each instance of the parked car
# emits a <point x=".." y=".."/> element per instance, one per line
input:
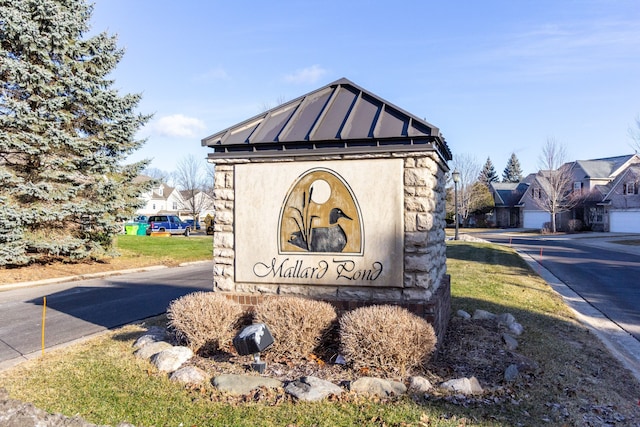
<point x="168" y="223"/>
<point x="193" y="227"/>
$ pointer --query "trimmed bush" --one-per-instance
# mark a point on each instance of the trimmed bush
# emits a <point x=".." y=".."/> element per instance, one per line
<point x="386" y="338"/>
<point x="205" y="321"/>
<point x="299" y="326"/>
<point x="575" y="226"/>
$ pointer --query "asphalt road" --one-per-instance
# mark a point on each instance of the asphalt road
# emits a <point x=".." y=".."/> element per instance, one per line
<point x="606" y="275"/>
<point x="82" y="308"/>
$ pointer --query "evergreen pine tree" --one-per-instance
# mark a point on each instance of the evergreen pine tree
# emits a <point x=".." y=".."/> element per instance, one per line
<point x="513" y="172"/>
<point x="65" y="134"/>
<point x="488" y="173"/>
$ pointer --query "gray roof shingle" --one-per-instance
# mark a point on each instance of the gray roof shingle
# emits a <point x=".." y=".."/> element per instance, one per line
<point x="603" y="168"/>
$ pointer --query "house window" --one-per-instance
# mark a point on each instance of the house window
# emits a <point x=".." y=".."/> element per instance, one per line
<point x="577" y="187"/>
<point x="630" y="188"/>
<point x="161" y="190"/>
<point x="596" y="215"/>
<point x="153" y="207"/>
<point x="175" y="206"/>
<point x="536" y="193"/>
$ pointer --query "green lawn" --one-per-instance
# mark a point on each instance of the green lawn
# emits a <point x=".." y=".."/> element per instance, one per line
<point x="178" y="248"/>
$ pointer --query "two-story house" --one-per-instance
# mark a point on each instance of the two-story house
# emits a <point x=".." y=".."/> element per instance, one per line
<point x="621" y="205"/>
<point x="164" y="199"/>
<point x="601" y="193"/>
<point x="609" y="189"/>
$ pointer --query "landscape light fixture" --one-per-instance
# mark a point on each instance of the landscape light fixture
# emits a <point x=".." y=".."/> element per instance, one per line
<point x="456" y="179"/>
<point x="252" y="340"/>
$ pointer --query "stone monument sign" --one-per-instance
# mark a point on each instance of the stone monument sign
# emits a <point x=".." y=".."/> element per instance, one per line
<point x="337" y="195"/>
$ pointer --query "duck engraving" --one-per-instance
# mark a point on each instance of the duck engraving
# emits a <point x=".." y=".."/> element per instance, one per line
<point x="324" y="239"/>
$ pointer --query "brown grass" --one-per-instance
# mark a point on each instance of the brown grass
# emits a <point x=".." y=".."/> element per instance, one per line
<point x="59" y="269"/>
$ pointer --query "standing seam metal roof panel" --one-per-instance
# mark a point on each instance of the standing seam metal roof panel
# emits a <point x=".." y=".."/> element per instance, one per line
<point x="390" y="125"/>
<point x="339" y="112"/>
<point x="271" y="128"/>
<point x="310" y="110"/>
<point x="362" y="119"/>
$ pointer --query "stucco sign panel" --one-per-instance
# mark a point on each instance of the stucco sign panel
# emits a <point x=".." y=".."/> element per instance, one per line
<point x="325" y="223"/>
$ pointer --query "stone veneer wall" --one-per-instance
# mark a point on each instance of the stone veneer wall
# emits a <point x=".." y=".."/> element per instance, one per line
<point x="426" y="286"/>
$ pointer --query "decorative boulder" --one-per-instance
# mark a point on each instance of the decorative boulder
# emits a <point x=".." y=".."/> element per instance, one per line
<point x="171" y="359"/>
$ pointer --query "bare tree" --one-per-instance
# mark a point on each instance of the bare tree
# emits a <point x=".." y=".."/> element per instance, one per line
<point x="556" y="181"/>
<point x="192" y="179"/>
<point x="210" y="179"/>
<point x="469" y="170"/>
<point x="158" y="175"/>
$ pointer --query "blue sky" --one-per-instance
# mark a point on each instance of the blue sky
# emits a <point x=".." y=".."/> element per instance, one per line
<point x="496" y="76"/>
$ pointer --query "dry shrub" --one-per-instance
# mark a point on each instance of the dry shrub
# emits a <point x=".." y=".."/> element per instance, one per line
<point x="575" y="225"/>
<point x="298" y="325"/>
<point x="204" y="321"/>
<point x="386" y="338"/>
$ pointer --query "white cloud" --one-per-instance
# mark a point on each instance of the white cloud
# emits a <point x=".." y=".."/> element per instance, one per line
<point x="177" y="125"/>
<point x="306" y="75"/>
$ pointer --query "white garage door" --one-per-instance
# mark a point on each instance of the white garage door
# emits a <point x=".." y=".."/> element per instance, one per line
<point x="625" y="221"/>
<point x="535" y="219"/>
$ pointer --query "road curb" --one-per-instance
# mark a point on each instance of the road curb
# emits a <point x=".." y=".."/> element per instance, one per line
<point x="78" y="277"/>
<point x="622" y="345"/>
<point x="98" y="275"/>
<point x="11" y="363"/>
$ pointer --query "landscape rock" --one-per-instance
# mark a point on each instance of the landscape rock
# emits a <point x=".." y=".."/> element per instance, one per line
<point x="516" y="328"/>
<point x="511" y="373"/>
<point x="505" y="319"/>
<point x="378" y="387"/>
<point x="189" y="375"/>
<point x="510" y="342"/>
<point x="419" y="385"/>
<point x="312" y="389"/>
<point x="243" y="384"/>
<point x="483" y="315"/>
<point x="149" y="350"/>
<point x="463" y="314"/>
<point x="172" y="358"/>
<point x="463" y="385"/>
<point x="144" y="340"/>
<point x="14" y="413"/>
<point x="153" y="334"/>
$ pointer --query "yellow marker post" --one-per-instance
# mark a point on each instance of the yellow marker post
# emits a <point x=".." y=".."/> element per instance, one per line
<point x="44" y="312"/>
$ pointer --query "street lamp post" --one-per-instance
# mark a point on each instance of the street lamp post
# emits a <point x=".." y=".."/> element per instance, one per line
<point x="456" y="179"/>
